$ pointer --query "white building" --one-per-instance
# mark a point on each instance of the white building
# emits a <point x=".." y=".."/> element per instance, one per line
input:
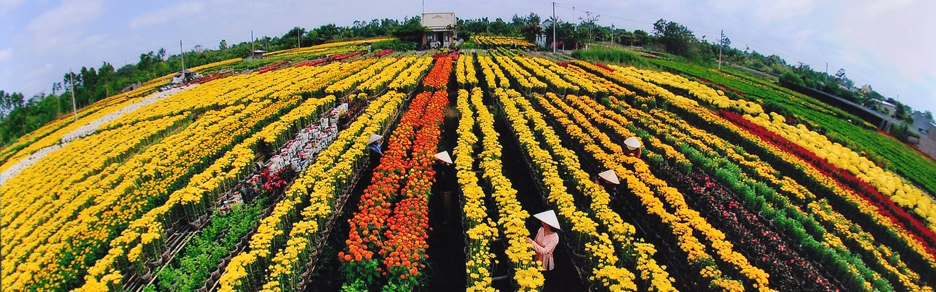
<point x="441" y="27"/>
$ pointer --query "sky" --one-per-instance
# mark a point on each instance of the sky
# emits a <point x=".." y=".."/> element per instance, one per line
<point x="887" y="44"/>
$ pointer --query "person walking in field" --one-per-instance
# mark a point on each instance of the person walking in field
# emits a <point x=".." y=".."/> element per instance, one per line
<point x="546" y="239"/>
<point x="632" y="147"/>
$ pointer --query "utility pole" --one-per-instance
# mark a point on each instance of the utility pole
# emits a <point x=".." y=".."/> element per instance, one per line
<point x="251" y="42"/>
<point x="424" y="7"/>
<point x="554" y="27"/>
<point x="721" y="41"/>
<point x="298" y="37"/>
<point x="71" y="81"/>
<point x="612" y="34"/>
<point x="827" y="68"/>
<point x="183" y="58"/>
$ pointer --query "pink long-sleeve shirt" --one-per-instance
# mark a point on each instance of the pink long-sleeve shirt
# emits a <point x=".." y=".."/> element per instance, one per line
<point x="544" y="246"/>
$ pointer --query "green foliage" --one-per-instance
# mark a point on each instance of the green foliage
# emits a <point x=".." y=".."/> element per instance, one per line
<point x="610" y="55"/>
<point x="190" y="269"/>
<point x="412" y="31"/>
<point x="396" y="45"/>
<point x="790" y="77"/>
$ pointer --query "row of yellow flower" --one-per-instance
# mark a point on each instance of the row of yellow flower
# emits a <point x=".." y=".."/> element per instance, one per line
<point x="344" y="87"/>
<point x="201" y="192"/>
<point x="480" y="229"/>
<point x="91" y="204"/>
<point x="551" y="77"/>
<point x="512" y="218"/>
<point x="598" y="244"/>
<point x="809" y="169"/>
<point x="498" y="41"/>
<point x="316" y="189"/>
<point x="52" y="133"/>
<point x="93" y="223"/>
<point x="881" y="255"/>
<point x="525" y="79"/>
<point x="798" y="190"/>
<point x="57" y="175"/>
<point x="216" y="64"/>
<point x="465" y="71"/>
<point x="320" y="48"/>
<point x="902" y="192"/>
<point x="162" y="165"/>
<point x="378" y="83"/>
<point x="897" y="232"/>
<point x="493" y="75"/>
<point x="587" y="85"/>
<point x="829" y="241"/>
<point x="613" y="88"/>
<point x="707" y="95"/>
<point x="623" y="233"/>
<point x="685" y="219"/>
<point x="406" y="80"/>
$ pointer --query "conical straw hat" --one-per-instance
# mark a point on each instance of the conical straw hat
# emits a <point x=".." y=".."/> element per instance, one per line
<point x="549" y="217"/>
<point x="374" y="138"/>
<point x="632" y="142"/>
<point x="610" y="176"/>
<point x="444" y="156"/>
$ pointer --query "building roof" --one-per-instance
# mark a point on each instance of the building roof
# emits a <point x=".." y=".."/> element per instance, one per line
<point x="438" y="21"/>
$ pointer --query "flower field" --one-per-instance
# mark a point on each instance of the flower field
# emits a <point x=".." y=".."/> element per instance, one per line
<point x="267" y="180"/>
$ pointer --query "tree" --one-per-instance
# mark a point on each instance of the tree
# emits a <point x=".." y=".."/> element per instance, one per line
<point x="223" y="45"/>
<point x="675" y="38"/>
<point x="411" y="31"/>
<point x="840" y="75"/>
<point x="641" y="38"/>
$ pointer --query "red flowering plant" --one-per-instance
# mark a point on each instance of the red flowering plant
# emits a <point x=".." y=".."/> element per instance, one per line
<point x="846" y="180"/>
<point x="439" y="76"/>
<point x="405" y="249"/>
<point x="374" y="208"/>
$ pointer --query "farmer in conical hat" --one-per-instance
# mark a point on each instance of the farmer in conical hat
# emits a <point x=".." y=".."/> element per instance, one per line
<point x="632" y="147"/>
<point x="374" y="143"/>
<point x="608" y="180"/>
<point x="546" y="239"/>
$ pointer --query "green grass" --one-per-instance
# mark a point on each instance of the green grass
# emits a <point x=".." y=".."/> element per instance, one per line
<point x="603" y="54"/>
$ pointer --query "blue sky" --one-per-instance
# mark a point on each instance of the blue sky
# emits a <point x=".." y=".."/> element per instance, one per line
<point x="883" y="43"/>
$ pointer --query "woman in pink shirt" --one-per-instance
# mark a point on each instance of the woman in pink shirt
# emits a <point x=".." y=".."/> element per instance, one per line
<point x="546" y="239"/>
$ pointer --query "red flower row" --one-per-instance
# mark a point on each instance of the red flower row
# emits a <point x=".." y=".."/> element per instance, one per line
<point x="271" y="67"/>
<point x="439" y="76"/>
<point x="383" y="53"/>
<point x="374" y="207"/>
<point x="405" y="248"/>
<point x="315" y="62"/>
<point x="846" y="180"/>
<point x="345" y="56"/>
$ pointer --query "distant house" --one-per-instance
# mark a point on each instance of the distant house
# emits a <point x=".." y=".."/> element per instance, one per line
<point x="132" y="86"/>
<point x="932" y="130"/>
<point x="921" y="123"/>
<point x="257" y="54"/>
<point x="441" y="27"/>
<point x="185" y="76"/>
<point x="887" y="108"/>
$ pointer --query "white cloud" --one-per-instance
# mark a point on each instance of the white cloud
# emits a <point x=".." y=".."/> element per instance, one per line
<point x="7" y="5"/>
<point x="67" y="15"/>
<point x="167" y="14"/>
<point x="6" y="54"/>
<point x="63" y="23"/>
